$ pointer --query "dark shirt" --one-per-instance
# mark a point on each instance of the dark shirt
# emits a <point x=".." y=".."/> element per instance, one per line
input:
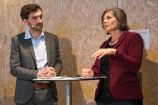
<point x="104" y="92"/>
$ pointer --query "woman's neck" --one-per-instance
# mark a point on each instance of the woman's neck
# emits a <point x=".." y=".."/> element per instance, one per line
<point x="115" y="35"/>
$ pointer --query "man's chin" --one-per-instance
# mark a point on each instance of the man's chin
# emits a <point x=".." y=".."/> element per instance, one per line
<point x="36" y="29"/>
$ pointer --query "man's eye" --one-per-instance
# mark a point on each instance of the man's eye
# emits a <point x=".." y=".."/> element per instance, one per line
<point x="35" y="17"/>
<point x="41" y="16"/>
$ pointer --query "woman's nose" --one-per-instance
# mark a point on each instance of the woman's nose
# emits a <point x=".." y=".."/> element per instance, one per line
<point x="105" y="20"/>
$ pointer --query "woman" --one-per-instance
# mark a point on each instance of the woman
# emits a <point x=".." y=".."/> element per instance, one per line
<point x="119" y="58"/>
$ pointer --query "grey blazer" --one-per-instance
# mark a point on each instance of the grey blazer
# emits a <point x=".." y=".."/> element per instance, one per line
<point x="23" y="64"/>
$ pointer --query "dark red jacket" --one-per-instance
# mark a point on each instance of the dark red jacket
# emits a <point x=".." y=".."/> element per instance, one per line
<point x="124" y="66"/>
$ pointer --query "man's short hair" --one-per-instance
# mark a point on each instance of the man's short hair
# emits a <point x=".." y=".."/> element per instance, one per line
<point x="27" y="9"/>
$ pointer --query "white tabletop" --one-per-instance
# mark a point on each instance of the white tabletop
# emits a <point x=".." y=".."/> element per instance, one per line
<point x="65" y="78"/>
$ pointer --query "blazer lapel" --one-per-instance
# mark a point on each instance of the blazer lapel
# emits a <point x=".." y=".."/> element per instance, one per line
<point x="120" y="40"/>
<point x="29" y="45"/>
<point x="105" y="44"/>
<point x="47" y="42"/>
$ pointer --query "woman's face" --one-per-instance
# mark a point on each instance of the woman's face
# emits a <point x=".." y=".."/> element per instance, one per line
<point x="110" y="22"/>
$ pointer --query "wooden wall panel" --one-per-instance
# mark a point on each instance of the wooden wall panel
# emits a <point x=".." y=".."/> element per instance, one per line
<point x="2" y="41"/>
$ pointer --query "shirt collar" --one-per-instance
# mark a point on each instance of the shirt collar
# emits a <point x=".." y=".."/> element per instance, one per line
<point x="28" y="35"/>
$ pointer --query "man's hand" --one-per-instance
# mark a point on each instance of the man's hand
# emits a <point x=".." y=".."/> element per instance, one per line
<point x="50" y="72"/>
<point x="47" y="72"/>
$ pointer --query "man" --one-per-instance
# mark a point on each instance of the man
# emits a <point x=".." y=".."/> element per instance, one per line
<point x="34" y="53"/>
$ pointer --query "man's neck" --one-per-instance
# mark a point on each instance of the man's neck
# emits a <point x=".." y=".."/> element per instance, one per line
<point x="35" y="34"/>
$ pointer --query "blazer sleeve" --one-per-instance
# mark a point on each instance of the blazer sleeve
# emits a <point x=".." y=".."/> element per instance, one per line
<point x="132" y="60"/>
<point x="15" y="63"/>
<point x="96" y="68"/>
<point x="96" y="65"/>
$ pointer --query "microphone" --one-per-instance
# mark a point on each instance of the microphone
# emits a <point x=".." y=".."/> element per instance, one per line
<point x="32" y="26"/>
<point x="37" y="27"/>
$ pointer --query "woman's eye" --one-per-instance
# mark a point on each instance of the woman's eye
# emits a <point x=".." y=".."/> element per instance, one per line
<point x="108" y="17"/>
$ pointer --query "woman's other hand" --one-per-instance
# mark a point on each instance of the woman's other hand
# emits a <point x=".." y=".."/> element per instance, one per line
<point x="87" y="72"/>
<point x="101" y="52"/>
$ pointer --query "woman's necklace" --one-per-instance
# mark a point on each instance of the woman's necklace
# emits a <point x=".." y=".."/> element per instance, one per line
<point x="114" y="41"/>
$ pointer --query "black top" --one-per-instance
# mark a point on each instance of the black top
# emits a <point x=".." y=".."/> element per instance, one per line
<point x="104" y="95"/>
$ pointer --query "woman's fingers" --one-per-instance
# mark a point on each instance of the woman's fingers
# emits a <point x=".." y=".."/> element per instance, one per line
<point x="98" y="54"/>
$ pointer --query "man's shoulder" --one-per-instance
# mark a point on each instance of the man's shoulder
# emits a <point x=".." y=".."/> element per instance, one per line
<point x="19" y="36"/>
<point x="50" y="34"/>
<point x="22" y="34"/>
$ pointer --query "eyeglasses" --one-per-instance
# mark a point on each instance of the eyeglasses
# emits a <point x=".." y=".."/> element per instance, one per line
<point x="37" y="17"/>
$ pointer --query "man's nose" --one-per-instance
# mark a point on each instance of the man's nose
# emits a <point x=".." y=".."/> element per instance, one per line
<point x="39" y="19"/>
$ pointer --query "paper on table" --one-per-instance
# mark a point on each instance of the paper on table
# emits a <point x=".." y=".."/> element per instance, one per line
<point x="58" y="77"/>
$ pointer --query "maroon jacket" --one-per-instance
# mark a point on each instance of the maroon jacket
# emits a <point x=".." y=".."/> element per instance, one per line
<point x="124" y="66"/>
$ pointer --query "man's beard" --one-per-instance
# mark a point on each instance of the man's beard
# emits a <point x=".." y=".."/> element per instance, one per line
<point x="37" y="27"/>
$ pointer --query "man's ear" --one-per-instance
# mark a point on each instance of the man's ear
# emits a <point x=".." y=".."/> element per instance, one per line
<point x="25" y="21"/>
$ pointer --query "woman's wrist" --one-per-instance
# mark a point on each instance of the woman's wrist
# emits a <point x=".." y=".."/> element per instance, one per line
<point x="113" y="51"/>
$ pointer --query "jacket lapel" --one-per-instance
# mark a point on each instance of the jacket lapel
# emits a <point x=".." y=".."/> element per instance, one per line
<point x="120" y="40"/>
<point x="29" y="45"/>
<point x="105" y="44"/>
<point x="47" y="42"/>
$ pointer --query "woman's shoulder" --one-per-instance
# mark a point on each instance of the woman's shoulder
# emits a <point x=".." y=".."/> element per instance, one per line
<point x="131" y="33"/>
<point x="133" y="36"/>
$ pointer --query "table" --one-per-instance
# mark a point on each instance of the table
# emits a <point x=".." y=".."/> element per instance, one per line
<point x="68" y="83"/>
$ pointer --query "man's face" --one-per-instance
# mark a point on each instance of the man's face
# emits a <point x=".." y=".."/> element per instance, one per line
<point x="35" y="21"/>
